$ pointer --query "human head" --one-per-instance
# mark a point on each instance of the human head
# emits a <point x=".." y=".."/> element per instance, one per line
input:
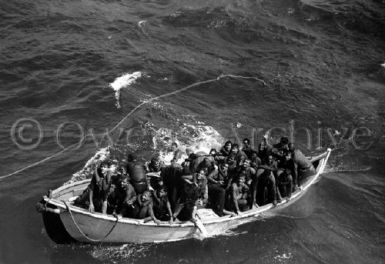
<point x="124" y="181"/>
<point x="155" y="162"/>
<point x="104" y="168"/>
<point x="202" y="173"/>
<point x="246" y="163"/>
<point x="161" y="191"/>
<point x="201" y="177"/>
<point x="146" y="196"/>
<point x="228" y="145"/>
<point x="288" y="155"/>
<point x="231" y="160"/>
<point x="241" y="178"/>
<point x="246" y="142"/>
<point x="270" y="159"/>
<point x="224" y="166"/>
<point x="213" y="152"/>
<point x="174" y="146"/>
<point x="235" y="148"/>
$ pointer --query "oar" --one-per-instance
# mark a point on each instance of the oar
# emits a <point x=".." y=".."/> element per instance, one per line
<point x="198" y="223"/>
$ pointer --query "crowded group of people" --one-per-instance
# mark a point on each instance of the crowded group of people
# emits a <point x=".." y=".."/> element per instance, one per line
<point x="230" y="181"/>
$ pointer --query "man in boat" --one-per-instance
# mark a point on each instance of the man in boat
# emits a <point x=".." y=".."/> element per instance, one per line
<point x="247" y="149"/>
<point x="186" y="204"/>
<point x="172" y="179"/>
<point x="238" y="154"/>
<point x="99" y="188"/>
<point x="255" y="161"/>
<point x="284" y="175"/>
<point x="226" y="149"/>
<point x="200" y="180"/>
<point x="302" y="166"/>
<point x="177" y="154"/>
<point x="264" y="150"/>
<point x="95" y="196"/>
<point x="265" y="179"/>
<point x="224" y="178"/>
<point x="239" y="194"/>
<point x="216" y="192"/>
<point x="154" y="165"/>
<point x="145" y="205"/>
<point x="137" y="174"/>
<point x="248" y="171"/>
<point x="282" y="146"/>
<point x="161" y="205"/>
<point x="128" y="207"/>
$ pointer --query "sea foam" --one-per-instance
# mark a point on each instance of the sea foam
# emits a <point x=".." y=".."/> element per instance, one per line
<point x="124" y="81"/>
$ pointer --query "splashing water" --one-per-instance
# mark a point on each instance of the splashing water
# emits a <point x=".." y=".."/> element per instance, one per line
<point x="101" y="155"/>
<point x="199" y="138"/>
<point x="122" y="82"/>
<point x="283" y="257"/>
<point x="117" y="254"/>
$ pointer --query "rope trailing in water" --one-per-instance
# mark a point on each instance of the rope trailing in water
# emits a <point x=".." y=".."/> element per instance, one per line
<point x="81" y="231"/>
<point x="133" y="111"/>
<point x="38" y="162"/>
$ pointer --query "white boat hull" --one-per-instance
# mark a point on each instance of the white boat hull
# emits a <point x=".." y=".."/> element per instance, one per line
<point x="66" y="223"/>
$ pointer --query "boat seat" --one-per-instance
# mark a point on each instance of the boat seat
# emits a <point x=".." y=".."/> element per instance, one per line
<point x="206" y="214"/>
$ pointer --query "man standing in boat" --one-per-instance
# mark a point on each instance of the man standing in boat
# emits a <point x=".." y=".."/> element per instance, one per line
<point x="303" y="168"/>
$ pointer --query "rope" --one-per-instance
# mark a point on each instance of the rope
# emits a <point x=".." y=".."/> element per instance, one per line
<point x="38" y="162"/>
<point x="133" y="111"/>
<point x="81" y="231"/>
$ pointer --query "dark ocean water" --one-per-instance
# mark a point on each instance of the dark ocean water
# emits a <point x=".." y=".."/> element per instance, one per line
<point x="321" y="63"/>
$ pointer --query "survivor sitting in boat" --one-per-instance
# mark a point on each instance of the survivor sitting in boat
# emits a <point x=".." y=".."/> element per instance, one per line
<point x="228" y="181"/>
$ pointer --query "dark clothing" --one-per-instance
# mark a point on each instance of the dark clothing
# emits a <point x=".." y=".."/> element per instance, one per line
<point x="224" y="176"/>
<point x="189" y="196"/>
<point x="130" y="211"/>
<point x="224" y="152"/>
<point x="129" y="208"/>
<point x="136" y="171"/>
<point x="100" y="187"/>
<point x="172" y="179"/>
<point x="160" y="208"/>
<point x="248" y="151"/>
<point x="285" y="184"/>
<point x="216" y="198"/>
<point x="155" y="168"/>
<point x="264" y="150"/>
<point x="266" y="180"/>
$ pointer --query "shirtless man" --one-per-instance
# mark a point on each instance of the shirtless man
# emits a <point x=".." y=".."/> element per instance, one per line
<point x="161" y="205"/>
<point x="239" y="195"/>
<point x="99" y="188"/>
<point x="302" y="165"/>
<point x="129" y="208"/>
<point x="146" y="211"/>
